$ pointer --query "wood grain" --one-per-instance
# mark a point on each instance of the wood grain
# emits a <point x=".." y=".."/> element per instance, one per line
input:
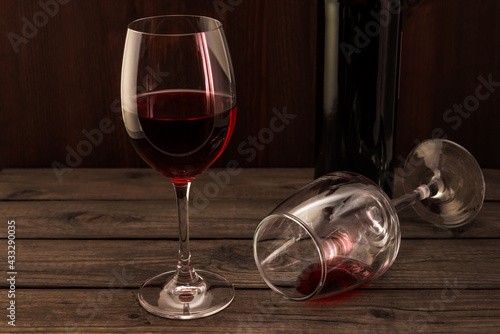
<point x="440" y="69"/>
<point x="65" y="78"/>
<point x="85" y="245"/>
<point x="133" y="219"/>
<point x="147" y="184"/>
<point x="94" y="263"/>
<point x="226" y="218"/>
<point x="138" y="203"/>
<point x="258" y="311"/>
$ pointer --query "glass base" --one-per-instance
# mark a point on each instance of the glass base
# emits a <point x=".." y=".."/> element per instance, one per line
<point x="162" y="296"/>
<point x="457" y="178"/>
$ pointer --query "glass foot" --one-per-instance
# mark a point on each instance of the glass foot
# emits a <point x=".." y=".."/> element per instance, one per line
<point x="454" y="178"/>
<point x="161" y="296"/>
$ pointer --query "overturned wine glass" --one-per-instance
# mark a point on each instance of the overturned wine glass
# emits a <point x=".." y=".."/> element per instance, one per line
<point x="341" y="230"/>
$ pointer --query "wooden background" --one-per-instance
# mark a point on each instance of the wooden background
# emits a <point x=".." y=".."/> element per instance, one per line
<point x="65" y="78"/>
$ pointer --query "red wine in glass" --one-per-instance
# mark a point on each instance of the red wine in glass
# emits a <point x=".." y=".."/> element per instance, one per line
<point x="342" y="274"/>
<point x="178" y="97"/>
<point x="185" y="131"/>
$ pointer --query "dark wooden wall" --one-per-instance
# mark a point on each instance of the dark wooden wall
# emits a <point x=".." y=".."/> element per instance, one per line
<point x="64" y="78"/>
<point x="447" y="46"/>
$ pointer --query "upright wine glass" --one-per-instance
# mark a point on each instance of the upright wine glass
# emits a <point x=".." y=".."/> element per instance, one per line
<point x="179" y="109"/>
<point x="341" y="230"/>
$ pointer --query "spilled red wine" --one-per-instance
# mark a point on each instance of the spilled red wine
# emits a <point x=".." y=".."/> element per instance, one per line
<point x="183" y="132"/>
<point x="341" y="274"/>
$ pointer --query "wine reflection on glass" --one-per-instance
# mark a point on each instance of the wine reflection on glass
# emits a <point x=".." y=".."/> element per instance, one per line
<point x="179" y="110"/>
<point x="341" y="230"/>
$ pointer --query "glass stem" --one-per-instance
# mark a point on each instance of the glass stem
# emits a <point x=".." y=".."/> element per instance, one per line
<point x="185" y="270"/>
<point x="422" y="192"/>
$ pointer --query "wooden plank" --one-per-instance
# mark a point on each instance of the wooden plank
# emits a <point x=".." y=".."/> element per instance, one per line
<point x="147" y="184"/>
<point x="227" y="218"/>
<point x="94" y="263"/>
<point x="134" y="220"/>
<point x="432" y="82"/>
<point x="492" y="180"/>
<point x="264" y="46"/>
<point x="485" y="225"/>
<point x="257" y="311"/>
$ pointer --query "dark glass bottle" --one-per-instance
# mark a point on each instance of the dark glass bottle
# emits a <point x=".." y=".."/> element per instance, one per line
<point x="358" y="57"/>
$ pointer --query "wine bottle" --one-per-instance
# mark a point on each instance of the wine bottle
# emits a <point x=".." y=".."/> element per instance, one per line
<point x="358" y="58"/>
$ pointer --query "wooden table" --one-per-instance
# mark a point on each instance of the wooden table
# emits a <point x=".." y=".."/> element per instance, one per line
<point x="84" y="246"/>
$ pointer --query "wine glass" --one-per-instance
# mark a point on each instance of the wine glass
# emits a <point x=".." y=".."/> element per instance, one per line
<point x="341" y="230"/>
<point x="179" y="109"/>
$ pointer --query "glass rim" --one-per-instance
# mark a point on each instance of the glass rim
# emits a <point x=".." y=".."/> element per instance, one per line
<point x="317" y="246"/>
<point x="150" y="18"/>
